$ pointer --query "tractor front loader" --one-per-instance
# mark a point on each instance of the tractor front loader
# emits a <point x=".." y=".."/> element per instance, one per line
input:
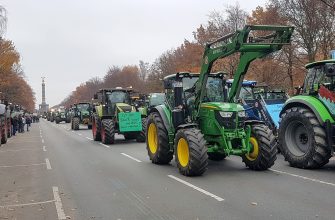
<point x="204" y="120"/>
<point x="114" y="113"/>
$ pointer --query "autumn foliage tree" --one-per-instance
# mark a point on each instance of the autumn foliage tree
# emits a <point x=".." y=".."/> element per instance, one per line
<point x="314" y="37"/>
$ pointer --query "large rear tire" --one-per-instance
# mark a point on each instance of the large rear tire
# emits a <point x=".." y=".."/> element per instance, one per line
<point x="264" y="148"/>
<point x="107" y="131"/>
<point x="141" y="135"/>
<point x="75" y="122"/>
<point x="96" y="128"/>
<point x="191" y="152"/>
<point x="302" y="139"/>
<point x="157" y="140"/>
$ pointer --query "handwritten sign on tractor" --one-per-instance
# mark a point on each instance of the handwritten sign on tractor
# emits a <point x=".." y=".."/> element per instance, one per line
<point x="130" y="121"/>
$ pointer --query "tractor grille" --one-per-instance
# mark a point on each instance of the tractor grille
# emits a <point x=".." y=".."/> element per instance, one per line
<point x="233" y="122"/>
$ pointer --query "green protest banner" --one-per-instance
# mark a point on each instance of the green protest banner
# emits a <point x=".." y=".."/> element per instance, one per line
<point x="130" y="121"/>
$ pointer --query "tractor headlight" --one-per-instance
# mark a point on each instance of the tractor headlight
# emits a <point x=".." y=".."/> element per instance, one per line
<point x="226" y="114"/>
<point x="241" y="114"/>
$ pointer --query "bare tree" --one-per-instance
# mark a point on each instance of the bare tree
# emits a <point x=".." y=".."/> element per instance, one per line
<point x="3" y="20"/>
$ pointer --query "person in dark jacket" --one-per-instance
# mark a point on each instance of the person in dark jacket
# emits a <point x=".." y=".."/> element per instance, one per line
<point x="14" y="124"/>
<point x="28" y="122"/>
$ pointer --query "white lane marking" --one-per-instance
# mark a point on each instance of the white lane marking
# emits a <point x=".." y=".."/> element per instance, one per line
<point x="26" y="204"/>
<point x="68" y="129"/>
<point x="89" y="138"/>
<point x="23" y="165"/>
<point x="47" y="162"/>
<point x="197" y="188"/>
<point x="42" y="141"/>
<point x="72" y="131"/>
<point x="58" y="203"/>
<point x="304" y="177"/>
<point x="79" y="134"/>
<point x="133" y="158"/>
<point x="44" y="148"/>
<point x="104" y="145"/>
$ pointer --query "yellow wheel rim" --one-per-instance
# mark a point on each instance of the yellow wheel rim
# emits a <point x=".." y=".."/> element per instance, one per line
<point x="183" y="152"/>
<point x="255" y="150"/>
<point x="152" y="138"/>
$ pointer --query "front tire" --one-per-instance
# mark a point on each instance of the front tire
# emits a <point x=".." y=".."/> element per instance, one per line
<point x="96" y="128"/>
<point x="157" y="140"/>
<point x="107" y="131"/>
<point x="75" y="122"/>
<point x="141" y="135"/>
<point x="264" y="148"/>
<point x="302" y="139"/>
<point x="191" y="152"/>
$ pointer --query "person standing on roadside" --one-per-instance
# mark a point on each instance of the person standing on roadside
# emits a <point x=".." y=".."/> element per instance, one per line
<point x="14" y="124"/>
<point x="28" y="122"/>
<point x="19" y="121"/>
<point x="23" y="123"/>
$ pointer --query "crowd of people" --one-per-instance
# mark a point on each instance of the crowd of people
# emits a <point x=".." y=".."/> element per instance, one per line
<point x="20" y="122"/>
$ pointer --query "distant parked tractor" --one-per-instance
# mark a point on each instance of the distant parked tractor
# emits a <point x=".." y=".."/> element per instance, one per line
<point x="203" y="119"/>
<point x="152" y="100"/>
<point x="307" y="127"/>
<point x="62" y="115"/>
<point x="261" y="103"/>
<point x="114" y="113"/>
<point x="81" y="114"/>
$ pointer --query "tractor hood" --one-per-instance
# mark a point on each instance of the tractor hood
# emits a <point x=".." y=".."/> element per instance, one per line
<point x="222" y="106"/>
<point x="123" y="107"/>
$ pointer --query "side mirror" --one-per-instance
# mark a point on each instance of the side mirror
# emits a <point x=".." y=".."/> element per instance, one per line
<point x="330" y="69"/>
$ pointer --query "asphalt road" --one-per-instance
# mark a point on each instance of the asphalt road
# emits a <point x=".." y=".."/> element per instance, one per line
<point x="52" y="172"/>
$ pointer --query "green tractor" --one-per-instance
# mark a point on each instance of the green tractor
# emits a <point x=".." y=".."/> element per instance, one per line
<point x="198" y="121"/>
<point x="81" y="114"/>
<point x="307" y="126"/>
<point x="62" y="115"/>
<point x="114" y="113"/>
<point x="151" y="100"/>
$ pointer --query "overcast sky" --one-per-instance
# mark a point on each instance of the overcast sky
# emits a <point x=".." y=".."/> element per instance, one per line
<point x="71" y="41"/>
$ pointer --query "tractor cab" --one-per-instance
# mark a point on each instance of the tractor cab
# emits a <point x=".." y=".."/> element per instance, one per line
<point x="180" y="90"/>
<point x="113" y="101"/>
<point x="319" y="78"/>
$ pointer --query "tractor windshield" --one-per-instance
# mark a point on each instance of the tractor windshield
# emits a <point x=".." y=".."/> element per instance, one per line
<point x="83" y="107"/>
<point x="157" y="99"/>
<point x="246" y="93"/>
<point x="315" y="78"/>
<point x="214" y="88"/>
<point x="118" y="97"/>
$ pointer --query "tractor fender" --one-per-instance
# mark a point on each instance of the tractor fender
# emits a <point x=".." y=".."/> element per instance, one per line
<point x="163" y="112"/>
<point x="251" y="122"/>
<point x="188" y="125"/>
<point x="311" y="103"/>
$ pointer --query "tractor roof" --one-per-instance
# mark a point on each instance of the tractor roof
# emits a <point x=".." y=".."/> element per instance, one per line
<point x="116" y="89"/>
<point x="78" y="103"/>
<point x="318" y="63"/>
<point x="187" y="74"/>
<point x="245" y="82"/>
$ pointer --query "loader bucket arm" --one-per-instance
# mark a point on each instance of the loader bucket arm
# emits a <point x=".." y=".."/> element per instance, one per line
<point x="250" y="48"/>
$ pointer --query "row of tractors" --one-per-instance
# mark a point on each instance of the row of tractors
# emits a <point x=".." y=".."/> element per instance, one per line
<point x="208" y="116"/>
